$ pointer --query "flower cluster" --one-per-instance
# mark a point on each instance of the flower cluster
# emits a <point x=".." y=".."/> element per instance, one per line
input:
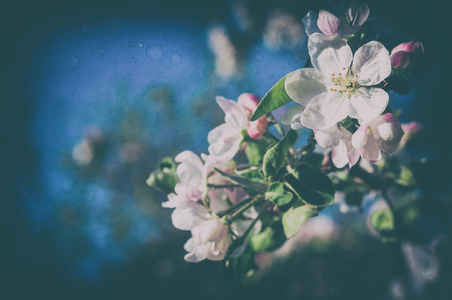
<point x="197" y="206"/>
<point x="234" y="205"/>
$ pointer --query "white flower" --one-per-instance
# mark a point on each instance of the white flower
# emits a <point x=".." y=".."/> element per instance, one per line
<point x="333" y="90"/>
<point x="209" y="240"/>
<point x="225" y="139"/>
<point x="339" y="140"/>
<point x="383" y="132"/>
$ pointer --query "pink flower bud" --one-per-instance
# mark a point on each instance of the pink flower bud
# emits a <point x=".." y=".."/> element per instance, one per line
<point x="249" y="102"/>
<point x="407" y="55"/>
<point x="257" y="128"/>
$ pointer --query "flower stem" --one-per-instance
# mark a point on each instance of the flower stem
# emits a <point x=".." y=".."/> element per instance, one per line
<point x="234" y="207"/>
<point x="223" y="186"/>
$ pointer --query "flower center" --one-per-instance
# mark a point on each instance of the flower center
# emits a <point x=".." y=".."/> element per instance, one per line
<point x="345" y="82"/>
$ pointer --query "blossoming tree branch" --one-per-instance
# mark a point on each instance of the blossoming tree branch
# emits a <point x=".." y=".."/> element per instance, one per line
<point x="253" y="191"/>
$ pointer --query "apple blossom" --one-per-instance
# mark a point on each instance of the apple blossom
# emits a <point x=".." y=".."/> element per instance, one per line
<point x="333" y="90"/>
<point x="209" y="240"/>
<point x="382" y="133"/>
<point x="225" y="139"/>
<point x="339" y="140"/>
<point x="255" y="129"/>
<point x="327" y="23"/>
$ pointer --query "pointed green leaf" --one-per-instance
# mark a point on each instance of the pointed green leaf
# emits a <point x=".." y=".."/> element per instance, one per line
<point x="312" y="187"/>
<point x="382" y="221"/>
<point x="275" y="155"/>
<point x="275" y="98"/>
<point x="295" y="217"/>
<point x="242" y="180"/>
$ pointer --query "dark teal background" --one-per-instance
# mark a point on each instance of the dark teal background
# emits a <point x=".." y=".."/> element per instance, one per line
<point x="69" y="65"/>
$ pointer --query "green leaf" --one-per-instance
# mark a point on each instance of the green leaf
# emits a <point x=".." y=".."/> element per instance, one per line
<point x="382" y="220"/>
<point x="312" y="187"/>
<point x="269" y="239"/>
<point x="275" y="98"/>
<point x="295" y="217"/>
<point x="255" y="153"/>
<point x="243" y="181"/>
<point x="277" y="195"/>
<point x="274" y="157"/>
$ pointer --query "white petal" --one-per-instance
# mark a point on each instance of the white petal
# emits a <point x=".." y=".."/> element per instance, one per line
<point x="371" y="63"/>
<point x="325" y="110"/>
<point x="293" y="116"/>
<point x="190" y="216"/>
<point x="198" y="254"/>
<point x="224" y="142"/>
<point x="329" y="137"/>
<point x="189" y="245"/>
<point x="304" y="84"/>
<point x="366" y="104"/>
<point x="329" y="54"/>
<point x="310" y="22"/>
<point x="188" y="156"/>
<point x="236" y="115"/>
<point x="339" y="155"/>
<point x="359" y="138"/>
<point x="176" y="201"/>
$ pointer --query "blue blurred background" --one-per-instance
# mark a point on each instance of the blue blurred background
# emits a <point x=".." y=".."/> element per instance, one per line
<point x="94" y="94"/>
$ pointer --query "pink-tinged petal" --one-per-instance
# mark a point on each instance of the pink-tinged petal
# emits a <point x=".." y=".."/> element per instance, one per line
<point x="366" y="104"/>
<point x="293" y="116"/>
<point x="190" y="216"/>
<point x="325" y="110"/>
<point x="371" y="151"/>
<point x="329" y="54"/>
<point x="310" y="22"/>
<point x="236" y="115"/>
<point x="188" y="191"/>
<point x="352" y="152"/>
<point x="371" y="63"/>
<point x="304" y="84"/>
<point x="249" y="102"/>
<point x="329" y="137"/>
<point x="328" y="23"/>
<point x="257" y="128"/>
<point x="387" y="131"/>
